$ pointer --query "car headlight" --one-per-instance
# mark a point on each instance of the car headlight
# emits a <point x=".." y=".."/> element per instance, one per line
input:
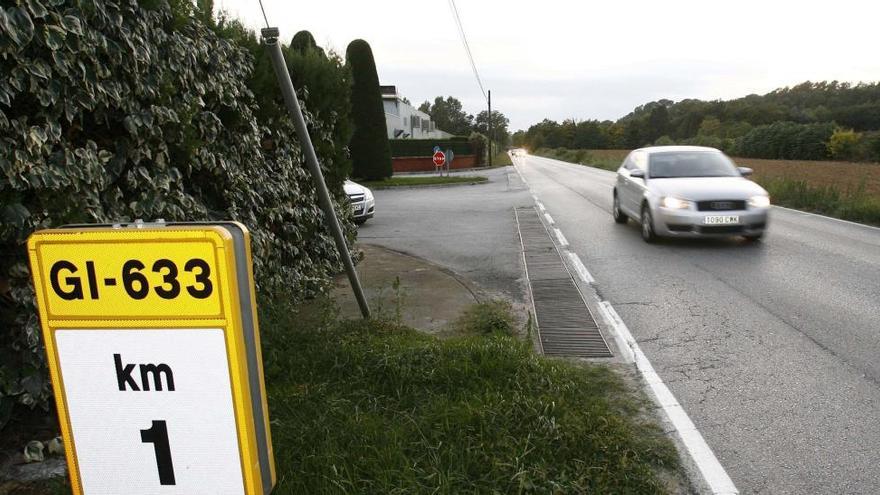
<point x="368" y="195"/>
<point x="759" y="201"/>
<point x="675" y="203"/>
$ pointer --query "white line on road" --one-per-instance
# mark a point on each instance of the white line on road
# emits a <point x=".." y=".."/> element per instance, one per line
<point x="714" y="475"/>
<point x="579" y="267"/>
<point x="549" y="218"/>
<point x="807" y="213"/>
<point x="561" y="238"/>
<point x="713" y="472"/>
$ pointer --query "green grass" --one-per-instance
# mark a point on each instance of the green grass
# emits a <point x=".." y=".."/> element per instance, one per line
<point x="501" y="159"/>
<point x="372" y="407"/>
<point x="854" y="205"/>
<point x="582" y="157"/>
<point x="487" y="318"/>
<point x="424" y="180"/>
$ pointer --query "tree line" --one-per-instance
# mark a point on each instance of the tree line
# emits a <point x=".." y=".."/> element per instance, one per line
<point x="449" y="115"/>
<point x="810" y="121"/>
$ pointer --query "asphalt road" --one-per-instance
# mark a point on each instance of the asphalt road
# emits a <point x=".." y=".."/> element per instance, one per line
<point x="772" y="348"/>
<point x="470" y="229"/>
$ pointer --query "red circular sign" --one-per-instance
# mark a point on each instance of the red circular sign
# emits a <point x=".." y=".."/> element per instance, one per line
<point x="439" y="158"/>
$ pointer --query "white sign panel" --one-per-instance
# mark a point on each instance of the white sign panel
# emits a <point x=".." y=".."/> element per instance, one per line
<point x="151" y="411"/>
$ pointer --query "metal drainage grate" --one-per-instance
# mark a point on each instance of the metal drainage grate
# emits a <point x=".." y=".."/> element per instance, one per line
<point x="565" y="325"/>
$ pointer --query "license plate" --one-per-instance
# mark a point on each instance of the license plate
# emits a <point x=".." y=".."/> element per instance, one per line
<point x="358" y="208"/>
<point x="721" y="220"/>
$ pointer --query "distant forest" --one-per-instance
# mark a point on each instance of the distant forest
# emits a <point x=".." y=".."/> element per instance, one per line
<point x="810" y="121"/>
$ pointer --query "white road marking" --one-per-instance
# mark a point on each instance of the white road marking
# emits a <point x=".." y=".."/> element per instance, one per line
<point x="579" y="267"/>
<point x="561" y="238"/>
<point x="807" y="213"/>
<point x="713" y="472"/>
<point x="701" y="454"/>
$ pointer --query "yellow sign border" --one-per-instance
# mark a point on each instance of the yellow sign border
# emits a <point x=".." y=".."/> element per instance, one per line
<point x="229" y="323"/>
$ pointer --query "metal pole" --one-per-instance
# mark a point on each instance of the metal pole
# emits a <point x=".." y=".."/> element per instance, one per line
<point x="490" y="128"/>
<point x="270" y="39"/>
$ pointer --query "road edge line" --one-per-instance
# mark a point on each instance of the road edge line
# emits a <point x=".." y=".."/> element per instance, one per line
<point x="699" y="451"/>
<point x="561" y="238"/>
<point x="809" y="213"/>
<point x="579" y="267"/>
<point x="714" y="475"/>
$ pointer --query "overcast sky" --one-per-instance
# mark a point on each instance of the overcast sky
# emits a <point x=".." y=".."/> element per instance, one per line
<point x="591" y="60"/>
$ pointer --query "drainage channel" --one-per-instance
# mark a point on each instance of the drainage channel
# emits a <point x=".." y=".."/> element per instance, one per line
<point x="565" y="325"/>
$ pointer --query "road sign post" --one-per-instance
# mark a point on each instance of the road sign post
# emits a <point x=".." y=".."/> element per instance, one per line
<point x="153" y="348"/>
<point x="439" y="159"/>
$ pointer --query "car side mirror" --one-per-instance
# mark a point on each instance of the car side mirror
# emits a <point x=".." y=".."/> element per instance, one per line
<point x="745" y="171"/>
<point x="637" y="174"/>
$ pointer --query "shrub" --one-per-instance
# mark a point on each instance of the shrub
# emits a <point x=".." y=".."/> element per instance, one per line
<point x="844" y="144"/>
<point x="111" y="112"/>
<point x="370" y="151"/>
<point x="785" y="140"/>
<point x="487" y="318"/>
<point x="425" y="147"/>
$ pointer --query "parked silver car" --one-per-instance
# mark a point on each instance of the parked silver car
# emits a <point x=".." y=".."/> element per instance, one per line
<point x="689" y="191"/>
<point x="363" y="204"/>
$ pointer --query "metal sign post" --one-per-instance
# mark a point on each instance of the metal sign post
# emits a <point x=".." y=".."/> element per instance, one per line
<point x="153" y="348"/>
<point x="439" y="159"/>
<point x="270" y="39"/>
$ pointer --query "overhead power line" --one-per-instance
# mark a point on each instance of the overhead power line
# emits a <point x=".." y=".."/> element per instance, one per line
<point x="467" y="47"/>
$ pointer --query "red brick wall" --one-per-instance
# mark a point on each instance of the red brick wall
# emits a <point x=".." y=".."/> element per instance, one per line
<point x="426" y="163"/>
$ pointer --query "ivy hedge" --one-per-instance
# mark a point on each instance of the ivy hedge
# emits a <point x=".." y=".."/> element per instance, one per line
<point x="114" y="111"/>
<point x="425" y="147"/>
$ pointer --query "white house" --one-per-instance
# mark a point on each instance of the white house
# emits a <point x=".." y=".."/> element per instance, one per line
<point x="405" y="121"/>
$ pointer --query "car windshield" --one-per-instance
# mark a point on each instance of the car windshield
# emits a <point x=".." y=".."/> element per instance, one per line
<point x="674" y="164"/>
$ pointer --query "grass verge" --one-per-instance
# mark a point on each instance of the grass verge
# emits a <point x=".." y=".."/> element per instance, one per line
<point x="854" y="205"/>
<point x="372" y="407"/>
<point x="502" y="159"/>
<point x="423" y="180"/>
<point x="593" y="158"/>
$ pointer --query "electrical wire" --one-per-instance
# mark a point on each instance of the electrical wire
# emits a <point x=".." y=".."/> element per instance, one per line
<point x="264" y="13"/>
<point x="467" y="46"/>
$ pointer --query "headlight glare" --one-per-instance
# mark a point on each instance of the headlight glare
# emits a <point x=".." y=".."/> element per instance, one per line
<point x="759" y="201"/>
<point x="675" y="203"/>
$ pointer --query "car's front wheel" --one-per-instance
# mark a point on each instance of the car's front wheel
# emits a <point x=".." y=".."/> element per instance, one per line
<point x="647" y="225"/>
<point x="619" y="216"/>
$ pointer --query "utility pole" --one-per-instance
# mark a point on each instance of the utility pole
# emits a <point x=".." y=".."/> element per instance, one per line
<point x="270" y="40"/>
<point x="490" y="128"/>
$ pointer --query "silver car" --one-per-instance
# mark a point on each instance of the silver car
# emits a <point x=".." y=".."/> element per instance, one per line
<point x="689" y="191"/>
<point x="363" y="204"/>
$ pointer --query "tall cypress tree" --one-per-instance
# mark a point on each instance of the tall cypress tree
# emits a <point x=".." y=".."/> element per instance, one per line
<point x="370" y="150"/>
<point x="303" y="41"/>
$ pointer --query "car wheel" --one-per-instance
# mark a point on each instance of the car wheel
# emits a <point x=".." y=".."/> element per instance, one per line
<point x="619" y="216"/>
<point x="647" y="225"/>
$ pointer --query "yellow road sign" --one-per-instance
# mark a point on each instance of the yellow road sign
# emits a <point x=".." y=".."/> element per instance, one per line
<point x="153" y="347"/>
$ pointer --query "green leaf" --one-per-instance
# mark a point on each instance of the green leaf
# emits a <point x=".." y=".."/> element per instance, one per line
<point x="54" y="36"/>
<point x="19" y="26"/>
<point x="36" y="8"/>
<point x="72" y="24"/>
